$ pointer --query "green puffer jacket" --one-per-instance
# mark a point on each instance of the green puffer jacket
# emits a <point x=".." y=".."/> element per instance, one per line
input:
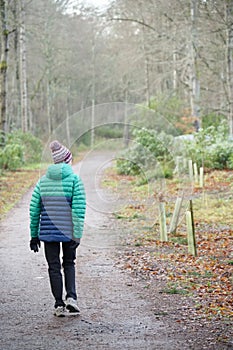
<point x="58" y="205"/>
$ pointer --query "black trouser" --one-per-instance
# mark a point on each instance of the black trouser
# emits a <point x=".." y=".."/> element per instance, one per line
<point x="52" y="254"/>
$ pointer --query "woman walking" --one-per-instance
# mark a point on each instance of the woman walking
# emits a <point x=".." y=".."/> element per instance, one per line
<point x="57" y="211"/>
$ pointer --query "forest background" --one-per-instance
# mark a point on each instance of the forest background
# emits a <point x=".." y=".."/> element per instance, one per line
<point x="60" y="57"/>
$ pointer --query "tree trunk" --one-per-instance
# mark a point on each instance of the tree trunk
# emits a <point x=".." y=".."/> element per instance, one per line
<point x="93" y="92"/>
<point x="49" y="105"/>
<point x="3" y="70"/>
<point x="229" y="59"/>
<point x="174" y="60"/>
<point x="23" y="71"/>
<point x="15" y="11"/>
<point x="195" y="85"/>
<point x="146" y="69"/>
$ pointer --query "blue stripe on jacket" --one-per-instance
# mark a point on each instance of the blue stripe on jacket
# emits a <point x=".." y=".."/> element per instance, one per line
<point x="56" y="219"/>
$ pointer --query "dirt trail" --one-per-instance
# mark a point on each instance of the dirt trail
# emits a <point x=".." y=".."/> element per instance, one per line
<point x="114" y="313"/>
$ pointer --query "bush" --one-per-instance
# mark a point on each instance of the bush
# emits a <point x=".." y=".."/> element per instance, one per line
<point x="133" y="161"/>
<point x="11" y="157"/>
<point x="215" y="120"/>
<point x="112" y="131"/>
<point x="210" y="147"/>
<point x="219" y="155"/>
<point x="149" y="147"/>
<point x="156" y="143"/>
<point x="20" y="148"/>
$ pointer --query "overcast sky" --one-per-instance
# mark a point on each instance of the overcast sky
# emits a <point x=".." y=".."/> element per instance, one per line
<point x="97" y="3"/>
<point x="101" y="4"/>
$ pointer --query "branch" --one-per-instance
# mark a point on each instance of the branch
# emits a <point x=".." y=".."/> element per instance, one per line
<point x="168" y="17"/>
<point x="12" y="31"/>
<point x="135" y="21"/>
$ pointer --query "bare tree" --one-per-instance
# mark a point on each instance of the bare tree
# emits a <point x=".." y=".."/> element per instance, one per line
<point x="16" y="105"/>
<point x="23" y="69"/>
<point x="144" y="53"/>
<point x="229" y="59"/>
<point x="3" y="66"/>
<point x="195" y="84"/>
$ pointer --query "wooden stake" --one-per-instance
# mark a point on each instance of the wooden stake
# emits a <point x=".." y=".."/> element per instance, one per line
<point x="162" y="221"/>
<point x="175" y="216"/>
<point x="201" y="177"/>
<point x="195" y="173"/>
<point x="192" y="249"/>
<point x="191" y="170"/>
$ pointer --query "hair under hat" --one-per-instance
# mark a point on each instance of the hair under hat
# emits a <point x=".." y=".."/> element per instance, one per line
<point x="60" y="153"/>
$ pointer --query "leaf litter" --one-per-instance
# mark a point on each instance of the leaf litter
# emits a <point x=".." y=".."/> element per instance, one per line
<point x="205" y="281"/>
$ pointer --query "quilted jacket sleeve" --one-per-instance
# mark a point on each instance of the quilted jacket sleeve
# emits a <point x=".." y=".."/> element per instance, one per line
<point x="35" y="211"/>
<point x="78" y="207"/>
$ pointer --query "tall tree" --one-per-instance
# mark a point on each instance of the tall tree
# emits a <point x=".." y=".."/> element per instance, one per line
<point x="150" y="53"/>
<point x="16" y="78"/>
<point x="195" y="84"/>
<point x="229" y="59"/>
<point x="23" y="69"/>
<point x="3" y="66"/>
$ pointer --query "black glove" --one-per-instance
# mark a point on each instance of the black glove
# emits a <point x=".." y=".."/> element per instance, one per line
<point x="35" y="244"/>
<point x="74" y="243"/>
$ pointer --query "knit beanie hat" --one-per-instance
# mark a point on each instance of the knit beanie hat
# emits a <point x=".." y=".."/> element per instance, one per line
<point x="60" y="153"/>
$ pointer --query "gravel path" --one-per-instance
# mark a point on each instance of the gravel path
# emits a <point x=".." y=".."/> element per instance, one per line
<point x="114" y="313"/>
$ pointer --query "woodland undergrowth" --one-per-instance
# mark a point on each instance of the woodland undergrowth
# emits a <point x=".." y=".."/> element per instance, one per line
<point x="206" y="278"/>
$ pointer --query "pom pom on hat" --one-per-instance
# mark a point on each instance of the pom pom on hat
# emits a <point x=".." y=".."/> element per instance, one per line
<point x="60" y="153"/>
<point x="55" y="146"/>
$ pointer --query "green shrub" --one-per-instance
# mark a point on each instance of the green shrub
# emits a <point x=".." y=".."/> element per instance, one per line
<point x="11" y="156"/>
<point x="133" y="161"/>
<point x="211" y="147"/>
<point x="149" y="148"/>
<point x="230" y="162"/>
<point x="219" y="155"/>
<point x="20" y="148"/>
<point x="110" y="131"/>
<point x="31" y="144"/>
<point x="156" y="143"/>
<point x="215" y="120"/>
